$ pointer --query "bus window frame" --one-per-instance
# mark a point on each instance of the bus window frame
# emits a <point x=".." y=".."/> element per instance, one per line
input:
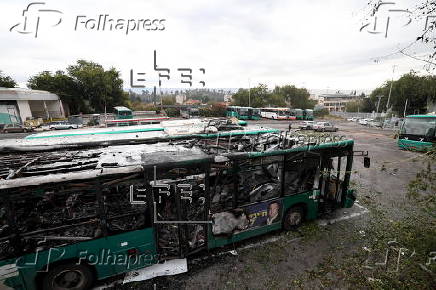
<point x="303" y="155"/>
<point x="237" y="191"/>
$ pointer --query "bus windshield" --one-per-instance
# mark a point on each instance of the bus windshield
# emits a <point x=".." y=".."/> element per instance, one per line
<point x="244" y="112"/>
<point x="419" y="126"/>
<point x="194" y="112"/>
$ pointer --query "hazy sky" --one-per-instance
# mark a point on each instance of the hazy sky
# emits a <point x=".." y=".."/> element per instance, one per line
<point x="316" y="44"/>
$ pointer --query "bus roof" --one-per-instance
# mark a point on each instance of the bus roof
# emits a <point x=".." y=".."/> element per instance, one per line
<point x="421" y="116"/>
<point x="278" y="109"/>
<point x="93" y="137"/>
<point x="122" y="109"/>
<point x="126" y="159"/>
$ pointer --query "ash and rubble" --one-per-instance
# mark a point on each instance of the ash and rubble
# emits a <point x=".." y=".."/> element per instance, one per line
<point x="54" y="199"/>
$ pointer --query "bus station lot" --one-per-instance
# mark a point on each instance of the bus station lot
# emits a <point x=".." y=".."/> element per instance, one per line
<point x="383" y="242"/>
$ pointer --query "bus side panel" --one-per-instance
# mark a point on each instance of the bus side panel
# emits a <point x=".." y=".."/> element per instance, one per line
<point x="109" y="256"/>
<point x="414" y="145"/>
<point x="222" y="241"/>
<point x="308" y="200"/>
<point x="10" y="276"/>
<point x="130" y="250"/>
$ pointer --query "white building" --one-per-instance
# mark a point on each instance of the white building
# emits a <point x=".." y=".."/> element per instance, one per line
<point x="180" y="99"/>
<point x="336" y="102"/>
<point x="18" y="105"/>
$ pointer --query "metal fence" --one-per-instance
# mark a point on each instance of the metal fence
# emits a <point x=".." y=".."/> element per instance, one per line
<point x="360" y="115"/>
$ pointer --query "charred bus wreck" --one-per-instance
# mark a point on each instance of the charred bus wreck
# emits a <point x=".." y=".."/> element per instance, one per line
<point x="71" y="217"/>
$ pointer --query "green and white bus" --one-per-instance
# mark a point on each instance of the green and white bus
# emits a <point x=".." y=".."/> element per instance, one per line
<point x="298" y="113"/>
<point x="70" y="218"/>
<point x="308" y="114"/>
<point x="417" y="132"/>
<point x="122" y="113"/>
<point x="243" y="113"/>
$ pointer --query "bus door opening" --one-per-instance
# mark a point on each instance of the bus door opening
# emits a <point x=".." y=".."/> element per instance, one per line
<point x="180" y="210"/>
<point x="332" y="178"/>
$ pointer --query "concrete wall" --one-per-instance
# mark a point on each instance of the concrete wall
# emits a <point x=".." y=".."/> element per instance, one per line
<point x="52" y="109"/>
<point x="24" y="108"/>
<point x="55" y="109"/>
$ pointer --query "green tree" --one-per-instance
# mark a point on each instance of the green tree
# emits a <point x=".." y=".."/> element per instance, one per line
<point x="276" y="100"/>
<point x="353" y="106"/>
<point x="60" y="84"/>
<point x="98" y="87"/>
<point x="295" y="97"/>
<point x="417" y="90"/>
<point x="168" y="100"/>
<point x="86" y="87"/>
<point x="6" y="81"/>
<point x="257" y="97"/>
<point x="367" y="105"/>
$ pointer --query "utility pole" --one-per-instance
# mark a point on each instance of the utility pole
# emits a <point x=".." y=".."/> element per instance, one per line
<point x="378" y="103"/>
<point x="249" y="91"/>
<point x="405" y="107"/>
<point x="390" y="89"/>
<point x="105" y="112"/>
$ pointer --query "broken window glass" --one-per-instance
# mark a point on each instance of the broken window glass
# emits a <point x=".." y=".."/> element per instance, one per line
<point x="180" y="196"/>
<point x="6" y="231"/>
<point x="125" y="208"/>
<point x="259" y="179"/>
<point x="300" y="173"/>
<point x="222" y="186"/>
<point x="54" y="216"/>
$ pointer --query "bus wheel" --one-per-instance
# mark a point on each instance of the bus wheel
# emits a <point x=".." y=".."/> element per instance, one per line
<point x="69" y="277"/>
<point x="293" y="218"/>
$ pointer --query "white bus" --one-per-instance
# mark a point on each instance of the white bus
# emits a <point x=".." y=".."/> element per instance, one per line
<point x="277" y="113"/>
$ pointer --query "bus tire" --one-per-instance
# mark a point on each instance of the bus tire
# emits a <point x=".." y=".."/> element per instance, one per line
<point x="69" y="276"/>
<point x="293" y="218"/>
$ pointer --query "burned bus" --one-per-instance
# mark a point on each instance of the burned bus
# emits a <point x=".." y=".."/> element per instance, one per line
<point x="72" y="217"/>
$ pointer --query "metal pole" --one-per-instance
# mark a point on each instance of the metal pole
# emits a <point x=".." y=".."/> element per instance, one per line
<point x="378" y="103"/>
<point x="405" y="107"/>
<point x="249" y="93"/>
<point x="390" y="89"/>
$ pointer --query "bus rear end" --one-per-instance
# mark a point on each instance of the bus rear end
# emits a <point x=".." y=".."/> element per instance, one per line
<point x="417" y="133"/>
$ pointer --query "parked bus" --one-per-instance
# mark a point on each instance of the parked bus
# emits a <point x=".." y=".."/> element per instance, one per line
<point x="277" y="113"/>
<point x="189" y="112"/>
<point x="417" y="132"/>
<point x="308" y="114"/>
<point x="298" y="114"/>
<point x="121" y="112"/>
<point x="243" y="113"/>
<point x="73" y="217"/>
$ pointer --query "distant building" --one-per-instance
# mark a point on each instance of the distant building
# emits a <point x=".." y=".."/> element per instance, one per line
<point x="17" y="105"/>
<point x="192" y="102"/>
<point x="313" y="97"/>
<point x="228" y="98"/>
<point x="336" y="102"/>
<point x="180" y="99"/>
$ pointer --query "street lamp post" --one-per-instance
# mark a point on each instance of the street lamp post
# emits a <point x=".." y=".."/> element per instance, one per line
<point x="390" y="89"/>
<point x="249" y="92"/>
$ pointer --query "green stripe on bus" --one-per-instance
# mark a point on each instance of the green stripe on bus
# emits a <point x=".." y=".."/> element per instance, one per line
<point x="97" y="133"/>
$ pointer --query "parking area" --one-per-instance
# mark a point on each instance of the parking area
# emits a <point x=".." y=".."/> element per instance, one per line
<point x="327" y="254"/>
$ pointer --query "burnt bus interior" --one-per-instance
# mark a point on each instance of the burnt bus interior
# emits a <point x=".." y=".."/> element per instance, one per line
<point x="62" y="213"/>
